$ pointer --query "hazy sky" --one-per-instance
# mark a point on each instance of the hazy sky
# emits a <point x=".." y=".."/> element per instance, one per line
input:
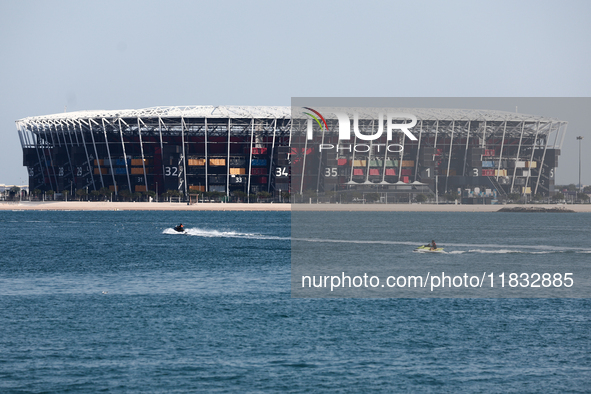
<point x="137" y="54"/>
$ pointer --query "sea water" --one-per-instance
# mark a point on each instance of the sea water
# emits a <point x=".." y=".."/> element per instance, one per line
<point x="119" y="302"/>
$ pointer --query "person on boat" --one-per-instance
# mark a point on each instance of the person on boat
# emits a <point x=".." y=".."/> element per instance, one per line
<point x="433" y="245"/>
<point x="179" y="228"/>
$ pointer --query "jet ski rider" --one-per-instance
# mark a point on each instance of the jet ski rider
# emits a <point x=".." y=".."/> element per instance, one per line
<point x="433" y="245"/>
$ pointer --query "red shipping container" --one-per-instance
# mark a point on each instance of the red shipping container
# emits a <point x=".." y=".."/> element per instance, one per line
<point x="405" y="179"/>
<point x="374" y="171"/>
<point x="258" y="171"/>
<point x="390" y="171"/>
<point x="406" y="171"/>
<point x="358" y="171"/>
<point x="259" y="151"/>
<point x="259" y="179"/>
<point x="342" y="162"/>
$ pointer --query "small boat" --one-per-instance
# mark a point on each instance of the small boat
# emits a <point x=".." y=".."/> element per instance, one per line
<point x="179" y="228"/>
<point x="427" y="249"/>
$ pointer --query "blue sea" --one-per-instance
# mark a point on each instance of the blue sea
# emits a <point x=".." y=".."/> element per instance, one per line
<point x="119" y="302"/>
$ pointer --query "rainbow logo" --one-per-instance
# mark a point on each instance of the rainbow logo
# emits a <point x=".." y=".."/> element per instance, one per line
<point x="316" y="119"/>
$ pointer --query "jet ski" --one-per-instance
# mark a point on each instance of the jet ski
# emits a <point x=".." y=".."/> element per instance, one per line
<point x="427" y="249"/>
<point x="179" y="228"/>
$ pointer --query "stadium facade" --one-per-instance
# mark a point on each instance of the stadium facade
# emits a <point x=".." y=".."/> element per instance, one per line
<point x="481" y="154"/>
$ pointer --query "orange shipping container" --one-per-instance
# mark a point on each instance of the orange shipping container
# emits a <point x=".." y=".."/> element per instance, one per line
<point x="237" y="171"/>
<point x="137" y="171"/>
<point x="102" y="171"/>
<point x="196" y="162"/>
<point x="197" y="188"/>
<point x="217" y="162"/>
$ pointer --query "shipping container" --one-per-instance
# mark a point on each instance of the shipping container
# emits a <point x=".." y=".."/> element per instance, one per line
<point x="526" y="190"/>
<point x="259" y="162"/>
<point x="196" y="162"/>
<point x="113" y="188"/>
<point x="238" y="179"/>
<point x="237" y="171"/>
<point x="359" y="163"/>
<point x="531" y="164"/>
<point x="489" y="152"/>
<point x="140" y="188"/>
<point x="406" y="171"/>
<point x="374" y="171"/>
<point x="258" y="171"/>
<point x="358" y="171"/>
<point x="405" y="179"/>
<point x="259" y="151"/>
<point x="408" y="163"/>
<point x="390" y="171"/>
<point x="375" y="163"/>
<point x="217" y="179"/>
<point x="99" y="162"/>
<point x="391" y="163"/>
<point x="488" y="164"/>
<point x="137" y="170"/>
<point x="259" y="179"/>
<point x="237" y="161"/>
<point x="138" y="162"/>
<point x="197" y="188"/>
<point x="217" y="162"/>
<point x="103" y="171"/>
<point x="342" y="162"/>
<point x="120" y="171"/>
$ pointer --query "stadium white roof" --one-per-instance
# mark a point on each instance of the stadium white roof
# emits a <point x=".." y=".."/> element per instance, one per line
<point x="266" y="112"/>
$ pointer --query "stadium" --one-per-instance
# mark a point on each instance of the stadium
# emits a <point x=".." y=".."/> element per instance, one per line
<point x="482" y="155"/>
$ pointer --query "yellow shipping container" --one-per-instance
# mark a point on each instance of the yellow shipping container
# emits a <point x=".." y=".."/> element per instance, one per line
<point x="526" y="190"/>
<point x="359" y="163"/>
<point x="137" y="171"/>
<point x="103" y="171"/>
<point x="197" y="188"/>
<point x="196" y="162"/>
<point x="500" y="172"/>
<point x="531" y="164"/>
<point x="408" y="163"/>
<point x="237" y="171"/>
<point x="217" y="162"/>
<point x="140" y="188"/>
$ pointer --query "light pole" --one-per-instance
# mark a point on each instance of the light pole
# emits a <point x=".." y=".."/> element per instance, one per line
<point x="580" y="138"/>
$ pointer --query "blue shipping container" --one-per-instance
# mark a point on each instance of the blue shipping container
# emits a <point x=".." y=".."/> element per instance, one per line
<point x="259" y="162"/>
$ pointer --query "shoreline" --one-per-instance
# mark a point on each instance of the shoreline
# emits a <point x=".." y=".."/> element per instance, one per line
<point x="167" y="206"/>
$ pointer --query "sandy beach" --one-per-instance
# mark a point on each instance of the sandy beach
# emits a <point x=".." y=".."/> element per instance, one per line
<point x="166" y="206"/>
